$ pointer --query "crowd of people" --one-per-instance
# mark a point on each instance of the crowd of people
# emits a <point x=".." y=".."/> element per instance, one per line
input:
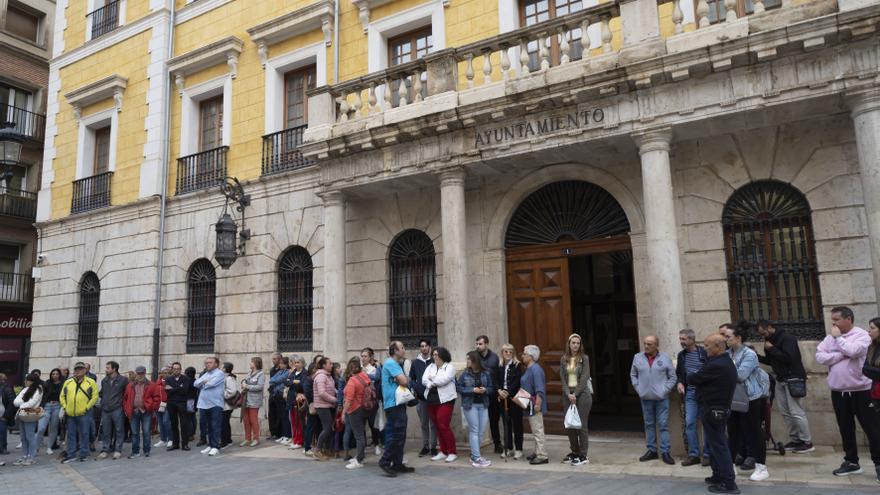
<point x="328" y="408"/>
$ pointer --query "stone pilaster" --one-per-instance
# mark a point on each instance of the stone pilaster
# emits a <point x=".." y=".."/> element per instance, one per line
<point x="457" y="326"/>
<point x="335" y="343"/>
<point x="661" y="236"/>
<point x="865" y="106"/>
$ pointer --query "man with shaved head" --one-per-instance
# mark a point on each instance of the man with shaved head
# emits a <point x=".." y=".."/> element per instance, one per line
<point x="653" y="376"/>
<point x="715" y="383"/>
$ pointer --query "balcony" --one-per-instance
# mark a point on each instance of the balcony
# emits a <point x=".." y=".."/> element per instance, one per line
<point x="18" y="203"/>
<point x="16" y="287"/>
<point x="91" y="193"/>
<point x="29" y="124"/>
<point x="104" y="20"/>
<point x="281" y="151"/>
<point x="202" y="170"/>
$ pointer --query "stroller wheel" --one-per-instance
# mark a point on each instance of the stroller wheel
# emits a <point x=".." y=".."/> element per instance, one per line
<point x="780" y="448"/>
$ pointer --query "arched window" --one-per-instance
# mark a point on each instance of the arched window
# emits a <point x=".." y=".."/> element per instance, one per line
<point x="771" y="258"/>
<point x="295" y="300"/>
<point x="201" y="291"/>
<point x="412" y="292"/>
<point x="89" y="306"/>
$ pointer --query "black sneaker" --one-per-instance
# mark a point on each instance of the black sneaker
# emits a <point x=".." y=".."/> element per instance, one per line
<point x="847" y="468"/>
<point x="706" y="462"/>
<point x="748" y="464"/>
<point x="571" y="456"/>
<point x="791" y="446"/>
<point x="730" y="488"/>
<point x="711" y="480"/>
<point x="539" y="460"/>
<point x="649" y="456"/>
<point x="433" y="452"/>
<point x="668" y="459"/>
<point x="388" y="471"/>
<point x="424" y="452"/>
<point x="499" y="449"/>
<point x="804" y="448"/>
<point x="405" y="469"/>
<point x="690" y="461"/>
<point x="69" y="460"/>
<point x="738" y="460"/>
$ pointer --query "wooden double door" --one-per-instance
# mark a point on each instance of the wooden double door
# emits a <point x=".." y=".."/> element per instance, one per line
<point x="583" y="287"/>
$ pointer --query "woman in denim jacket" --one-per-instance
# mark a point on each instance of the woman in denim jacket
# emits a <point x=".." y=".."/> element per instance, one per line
<point x="475" y="387"/>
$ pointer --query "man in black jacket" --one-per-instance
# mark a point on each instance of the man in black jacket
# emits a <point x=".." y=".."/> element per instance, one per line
<point x="416" y="370"/>
<point x="782" y="353"/>
<point x="7" y="411"/>
<point x="177" y="389"/>
<point x="715" y="383"/>
<point x="491" y="363"/>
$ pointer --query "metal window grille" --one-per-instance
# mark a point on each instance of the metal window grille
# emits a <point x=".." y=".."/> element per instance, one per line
<point x="201" y="301"/>
<point x="771" y="259"/>
<point x="104" y="19"/>
<point x="281" y="151"/>
<point x="566" y="211"/>
<point x="295" y="300"/>
<point x="91" y="193"/>
<point x="413" y="292"/>
<point x="89" y="307"/>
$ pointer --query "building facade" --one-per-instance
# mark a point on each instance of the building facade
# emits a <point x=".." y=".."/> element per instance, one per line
<point x="450" y="168"/>
<point x="25" y="48"/>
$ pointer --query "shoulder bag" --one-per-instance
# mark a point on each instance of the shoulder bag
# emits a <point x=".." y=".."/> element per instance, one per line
<point x="797" y="387"/>
<point x="29" y="414"/>
<point x="740" y="401"/>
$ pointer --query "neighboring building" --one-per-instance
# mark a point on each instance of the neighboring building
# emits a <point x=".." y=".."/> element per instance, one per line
<point x="25" y="49"/>
<point x="680" y="165"/>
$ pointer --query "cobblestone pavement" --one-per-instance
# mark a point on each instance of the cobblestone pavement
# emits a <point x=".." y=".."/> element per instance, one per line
<point x="270" y="467"/>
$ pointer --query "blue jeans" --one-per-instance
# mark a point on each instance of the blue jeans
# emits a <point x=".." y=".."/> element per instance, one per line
<point x="211" y="422"/>
<point x="112" y="423"/>
<point x="140" y="422"/>
<point x="691" y="420"/>
<point x="395" y="436"/>
<point x="28" y="430"/>
<point x="49" y="422"/>
<point x="164" y="420"/>
<point x="656" y="414"/>
<point x="79" y="425"/>
<point x="478" y="419"/>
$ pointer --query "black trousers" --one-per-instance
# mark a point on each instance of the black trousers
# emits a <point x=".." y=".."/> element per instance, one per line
<point x="745" y="433"/>
<point x="494" y="418"/>
<point x="514" y="432"/>
<point x="722" y="465"/>
<point x="179" y="424"/>
<point x="276" y="412"/>
<point x="226" y="429"/>
<point x="847" y="407"/>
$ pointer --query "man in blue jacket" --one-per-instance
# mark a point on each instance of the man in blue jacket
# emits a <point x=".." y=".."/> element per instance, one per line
<point x="691" y="358"/>
<point x="653" y="377"/>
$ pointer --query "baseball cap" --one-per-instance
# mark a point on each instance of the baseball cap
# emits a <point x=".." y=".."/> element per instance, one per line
<point x="79" y="366"/>
<point x="140" y="369"/>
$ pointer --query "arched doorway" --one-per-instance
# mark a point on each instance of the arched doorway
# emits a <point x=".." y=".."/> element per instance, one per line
<point x="569" y="270"/>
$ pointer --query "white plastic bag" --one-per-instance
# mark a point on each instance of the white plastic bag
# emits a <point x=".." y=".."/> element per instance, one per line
<point x="572" y="418"/>
<point x="380" y="417"/>
<point x="403" y="395"/>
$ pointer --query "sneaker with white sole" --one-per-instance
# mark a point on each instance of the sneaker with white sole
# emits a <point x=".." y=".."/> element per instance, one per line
<point x="580" y="461"/>
<point x="160" y="443"/>
<point x="439" y="457"/>
<point x="847" y="468"/>
<point x="308" y="453"/>
<point x="354" y="464"/>
<point x="378" y="450"/>
<point x="482" y="462"/>
<point x="49" y="451"/>
<point x="102" y="455"/>
<point x="286" y="441"/>
<point x="117" y="455"/>
<point x="169" y="444"/>
<point x="760" y="473"/>
<point x="18" y="446"/>
<point x="28" y="462"/>
<point x="213" y="452"/>
<point x="451" y="458"/>
<point x="206" y="450"/>
<point x="517" y="455"/>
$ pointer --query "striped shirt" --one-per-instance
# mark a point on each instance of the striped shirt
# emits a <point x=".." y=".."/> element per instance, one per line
<point x="692" y="364"/>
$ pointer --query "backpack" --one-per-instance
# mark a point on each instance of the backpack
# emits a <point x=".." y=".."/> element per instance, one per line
<point x="369" y="401"/>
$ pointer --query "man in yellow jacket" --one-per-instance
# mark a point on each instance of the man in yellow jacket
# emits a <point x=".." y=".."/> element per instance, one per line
<point x="78" y="395"/>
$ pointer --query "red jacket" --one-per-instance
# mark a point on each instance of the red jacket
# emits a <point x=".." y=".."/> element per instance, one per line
<point x="152" y="398"/>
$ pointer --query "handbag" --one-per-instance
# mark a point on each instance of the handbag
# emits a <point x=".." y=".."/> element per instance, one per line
<point x="29" y="414"/>
<point x="523" y="399"/>
<point x="403" y="395"/>
<point x="797" y="387"/>
<point x="740" y="401"/>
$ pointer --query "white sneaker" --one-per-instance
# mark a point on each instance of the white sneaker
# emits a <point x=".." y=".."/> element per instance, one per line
<point x="439" y="457"/>
<point x="354" y="464"/>
<point x="117" y="455"/>
<point x="213" y="452"/>
<point x="18" y="446"/>
<point x="49" y="451"/>
<point x="160" y="443"/>
<point x="451" y="458"/>
<point x="760" y="473"/>
<point x="517" y="455"/>
<point x="169" y="444"/>
<point x="206" y="450"/>
<point x="285" y="441"/>
<point x="294" y="446"/>
<point x="378" y="450"/>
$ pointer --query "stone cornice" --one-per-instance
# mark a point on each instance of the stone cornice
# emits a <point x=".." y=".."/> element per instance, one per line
<point x="196" y="8"/>
<point x="141" y="208"/>
<point x="100" y="90"/>
<point x="225" y="50"/>
<point x="300" y="21"/>
<point x="365" y="6"/>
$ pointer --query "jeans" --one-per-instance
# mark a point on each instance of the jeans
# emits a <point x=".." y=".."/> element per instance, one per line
<point x="29" y="444"/>
<point x="691" y="420"/>
<point x="429" y="435"/>
<point x="847" y="407"/>
<point x="327" y="416"/>
<point x="49" y="422"/>
<point x="441" y="415"/>
<point x="3" y="428"/>
<point x="210" y="421"/>
<point x="140" y="423"/>
<point x="792" y="411"/>
<point x="112" y="425"/>
<point x="722" y="465"/>
<point x="164" y="420"/>
<point x="478" y="418"/>
<point x="656" y="414"/>
<point x="395" y="436"/>
<point x="179" y="424"/>
<point x="356" y="422"/>
<point x="78" y="428"/>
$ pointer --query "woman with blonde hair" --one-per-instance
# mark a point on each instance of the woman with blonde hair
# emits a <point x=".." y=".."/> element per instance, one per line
<point x="577" y="390"/>
<point x="511" y="414"/>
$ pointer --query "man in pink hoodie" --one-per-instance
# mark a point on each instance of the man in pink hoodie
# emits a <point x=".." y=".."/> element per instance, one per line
<point x="844" y="353"/>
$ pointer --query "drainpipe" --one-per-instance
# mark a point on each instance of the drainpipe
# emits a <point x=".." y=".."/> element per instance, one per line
<point x="166" y="152"/>
<point x="336" y="42"/>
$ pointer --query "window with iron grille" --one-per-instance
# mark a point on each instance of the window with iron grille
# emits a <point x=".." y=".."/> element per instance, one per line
<point x="295" y="300"/>
<point x="413" y="292"/>
<point x="771" y="258"/>
<point x="201" y="289"/>
<point x="89" y="306"/>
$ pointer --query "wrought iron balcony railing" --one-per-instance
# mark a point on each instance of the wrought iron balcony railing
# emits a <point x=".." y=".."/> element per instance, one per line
<point x="18" y="203"/>
<point x="201" y="170"/>
<point x="16" y="287"/>
<point x="281" y="151"/>
<point x="29" y="124"/>
<point x="104" y="19"/>
<point x="91" y="193"/>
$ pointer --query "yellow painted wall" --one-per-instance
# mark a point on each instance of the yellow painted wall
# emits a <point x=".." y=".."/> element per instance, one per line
<point x="75" y="14"/>
<point x="128" y="59"/>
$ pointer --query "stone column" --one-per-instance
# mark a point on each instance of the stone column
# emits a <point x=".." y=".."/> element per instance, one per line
<point x="661" y="236"/>
<point x="335" y="343"/>
<point x="456" y="321"/>
<point x="865" y="108"/>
